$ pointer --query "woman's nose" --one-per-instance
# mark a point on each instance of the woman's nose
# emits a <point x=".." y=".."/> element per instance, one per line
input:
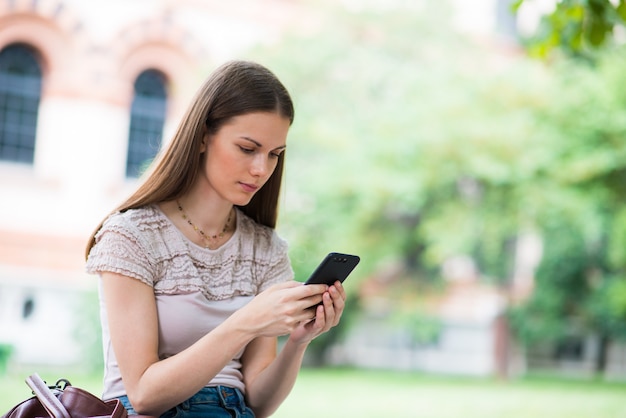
<point x="260" y="166"/>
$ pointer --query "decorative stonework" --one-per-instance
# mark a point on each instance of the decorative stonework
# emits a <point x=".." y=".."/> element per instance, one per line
<point x="48" y="27"/>
<point x="157" y="44"/>
<point x="75" y="66"/>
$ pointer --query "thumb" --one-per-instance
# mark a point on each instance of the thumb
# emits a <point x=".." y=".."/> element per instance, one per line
<point x="286" y="285"/>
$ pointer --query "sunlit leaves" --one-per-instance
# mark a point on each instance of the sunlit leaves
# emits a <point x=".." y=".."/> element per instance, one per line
<point x="577" y="27"/>
<point x="412" y="145"/>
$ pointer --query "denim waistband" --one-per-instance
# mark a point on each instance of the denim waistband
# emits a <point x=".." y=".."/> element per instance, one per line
<point x="214" y="396"/>
<point x="223" y="395"/>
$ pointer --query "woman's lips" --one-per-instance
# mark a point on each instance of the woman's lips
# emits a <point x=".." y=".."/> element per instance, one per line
<point x="250" y="188"/>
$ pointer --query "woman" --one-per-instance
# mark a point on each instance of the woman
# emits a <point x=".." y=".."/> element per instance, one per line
<point x="195" y="284"/>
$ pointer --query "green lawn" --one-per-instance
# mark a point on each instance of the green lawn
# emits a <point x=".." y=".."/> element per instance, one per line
<point x="337" y="393"/>
<point x="342" y="393"/>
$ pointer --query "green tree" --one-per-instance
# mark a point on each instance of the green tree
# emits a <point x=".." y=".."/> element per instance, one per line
<point x="411" y="145"/>
<point x="582" y="272"/>
<point x="407" y="148"/>
<point x="591" y="124"/>
<point x="577" y="27"/>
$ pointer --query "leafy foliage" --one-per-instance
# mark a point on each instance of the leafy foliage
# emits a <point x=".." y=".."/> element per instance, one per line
<point x="562" y="287"/>
<point x="412" y="144"/>
<point x="577" y="27"/>
<point x="583" y="228"/>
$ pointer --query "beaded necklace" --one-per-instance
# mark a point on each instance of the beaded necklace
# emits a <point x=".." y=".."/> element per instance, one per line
<point x="208" y="239"/>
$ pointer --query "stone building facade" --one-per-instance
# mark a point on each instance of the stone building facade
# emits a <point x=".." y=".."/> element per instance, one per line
<point x="72" y="74"/>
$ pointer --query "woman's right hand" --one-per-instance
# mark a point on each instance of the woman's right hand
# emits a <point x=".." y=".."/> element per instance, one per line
<point x="281" y="308"/>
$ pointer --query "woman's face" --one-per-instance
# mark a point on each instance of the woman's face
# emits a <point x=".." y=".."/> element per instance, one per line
<point x="242" y="155"/>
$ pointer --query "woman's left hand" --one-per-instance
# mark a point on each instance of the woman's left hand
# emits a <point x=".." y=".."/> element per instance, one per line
<point x="327" y="315"/>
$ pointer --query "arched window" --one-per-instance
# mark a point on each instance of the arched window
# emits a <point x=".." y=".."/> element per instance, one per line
<point x="20" y="92"/>
<point x="28" y="307"/>
<point x="147" y="117"/>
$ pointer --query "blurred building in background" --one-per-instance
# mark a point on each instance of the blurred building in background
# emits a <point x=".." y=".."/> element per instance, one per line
<point x="89" y="90"/>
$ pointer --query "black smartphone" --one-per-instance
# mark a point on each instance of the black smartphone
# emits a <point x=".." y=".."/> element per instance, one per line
<point x="335" y="266"/>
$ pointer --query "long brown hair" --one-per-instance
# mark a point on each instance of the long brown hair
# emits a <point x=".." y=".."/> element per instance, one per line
<point x="233" y="89"/>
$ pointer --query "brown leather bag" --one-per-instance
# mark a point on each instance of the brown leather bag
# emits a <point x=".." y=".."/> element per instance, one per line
<point x="64" y="401"/>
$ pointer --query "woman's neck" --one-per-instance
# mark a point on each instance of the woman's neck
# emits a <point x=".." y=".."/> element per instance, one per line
<point x="208" y="225"/>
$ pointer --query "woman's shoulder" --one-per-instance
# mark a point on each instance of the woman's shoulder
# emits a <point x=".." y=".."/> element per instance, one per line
<point x="146" y="217"/>
<point x="127" y="243"/>
<point x="143" y="225"/>
<point x="261" y="235"/>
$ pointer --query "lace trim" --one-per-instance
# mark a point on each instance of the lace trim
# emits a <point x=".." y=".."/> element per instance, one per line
<point x="144" y="244"/>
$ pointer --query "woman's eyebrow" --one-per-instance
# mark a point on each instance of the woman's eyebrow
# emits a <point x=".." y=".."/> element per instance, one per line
<point x="258" y="144"/>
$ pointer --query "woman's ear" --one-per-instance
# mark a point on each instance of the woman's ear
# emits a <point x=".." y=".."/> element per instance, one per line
<point x="204" y="143"/>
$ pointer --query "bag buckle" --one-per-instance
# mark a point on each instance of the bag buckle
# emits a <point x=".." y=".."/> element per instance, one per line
<point x="61" y="384"/>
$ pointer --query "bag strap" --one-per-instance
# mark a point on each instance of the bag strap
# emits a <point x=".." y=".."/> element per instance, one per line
<point x="52" y="404"/>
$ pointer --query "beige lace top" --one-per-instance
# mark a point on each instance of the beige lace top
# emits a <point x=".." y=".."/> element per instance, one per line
<point x="145" y="244"/>
<point x="195" y="288"/>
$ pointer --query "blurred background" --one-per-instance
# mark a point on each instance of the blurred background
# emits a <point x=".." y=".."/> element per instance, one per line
<point x="472" y="153"/>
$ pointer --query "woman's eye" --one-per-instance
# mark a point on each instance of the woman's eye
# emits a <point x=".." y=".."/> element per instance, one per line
<point x="246" y="150"/>
<point x="275" y="154"/>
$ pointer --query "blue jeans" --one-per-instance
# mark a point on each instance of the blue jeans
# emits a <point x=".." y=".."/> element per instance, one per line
<point x="218" y="402"/>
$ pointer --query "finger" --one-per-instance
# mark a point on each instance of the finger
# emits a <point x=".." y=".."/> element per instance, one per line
<point x="282" y="286"/>
<point x="311" y="315"/>
<point x="336" y="317"/>
<point x="329" y="311"/>
<point x="339" y="286"/>
<point x="287" y="285"/>
<point x="339" y="300"/>
<point x="313" y="289"/>
<point x="311" y="301"/>
<point x="338" y="305"/>
<point x="311" y="312"/>
<point x="320" y="317"/>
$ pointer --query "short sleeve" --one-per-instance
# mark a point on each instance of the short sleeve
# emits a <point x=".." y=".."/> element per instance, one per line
<point x="279" y="269"/>
<point x="118" y="249"/>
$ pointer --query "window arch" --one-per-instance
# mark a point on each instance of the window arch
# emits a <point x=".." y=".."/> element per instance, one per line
<point x="147" y="117"/>
<point x="20" y="93"/>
